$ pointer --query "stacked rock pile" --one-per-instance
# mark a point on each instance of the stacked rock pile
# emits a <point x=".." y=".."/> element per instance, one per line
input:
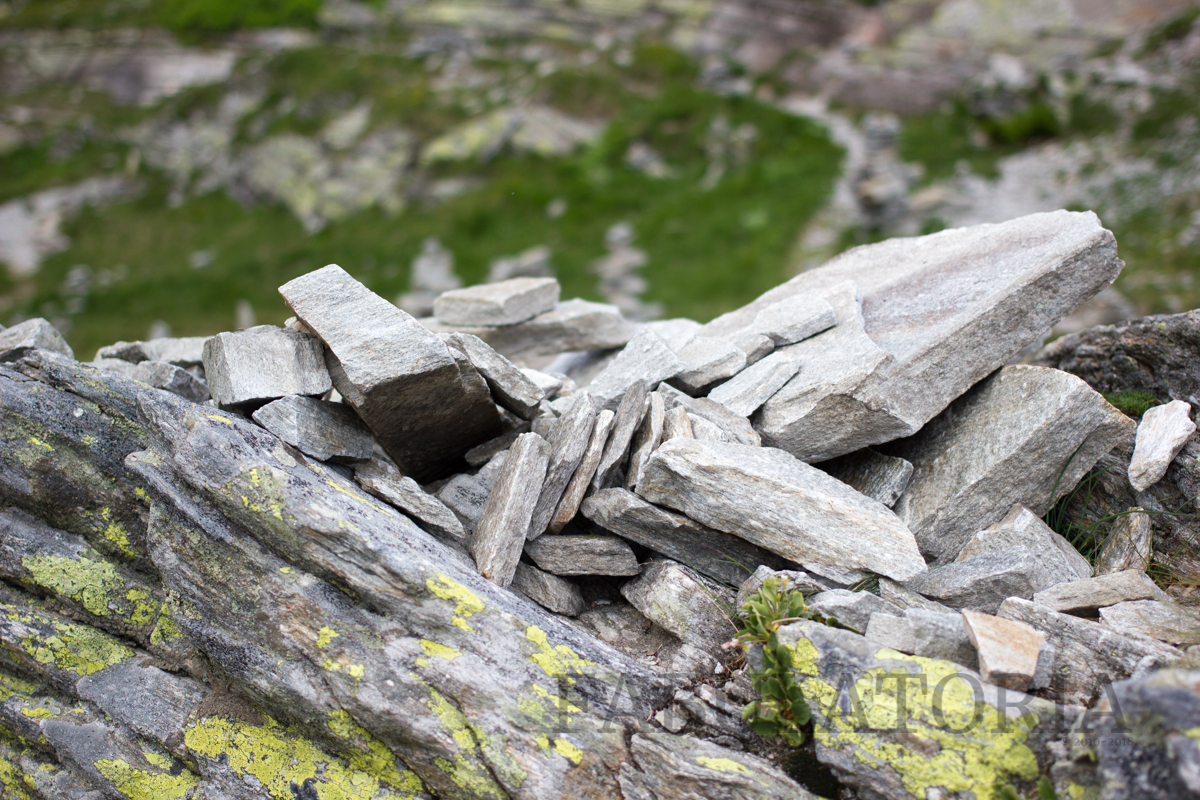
<point x="389" y="558"/>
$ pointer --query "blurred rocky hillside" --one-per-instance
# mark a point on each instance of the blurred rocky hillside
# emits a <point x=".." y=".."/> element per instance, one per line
<point x="178" y="159"/>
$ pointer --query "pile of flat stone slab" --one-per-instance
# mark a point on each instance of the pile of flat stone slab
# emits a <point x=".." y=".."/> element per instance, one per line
<point x="857" y="426"/>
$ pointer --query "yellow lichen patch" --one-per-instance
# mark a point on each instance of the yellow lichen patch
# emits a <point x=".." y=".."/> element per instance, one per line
<point x="1194" y="733"/>
<point x="138" y="784"/>
<point x="373" y="757"/>
<point x="325" y="636"/>
<point x="279" y="757"/>
<point x="359" y="498"/>
<point x="38" y="713"/>
<point x="89" y="439"/>
<point x="722" y="765"/>
<point x="85" y="581"/>
<point x="561" y="703"/>
<point x="286" y="570"/>
<point x="33" y="440"/>
<point x="558" y="661"/>
<point x="166" y="629"/>
<point x="15" y="687"/>
<point x="157" y="760"/>
<point x="468" y="777"/>
<point x="560" y="746"/>
<point x="466" y="603"/>
<point x="219" y="418"/>
<point x="12" y="778"/>
<point x="435" y="650"/>
<point x="72" y="647"/>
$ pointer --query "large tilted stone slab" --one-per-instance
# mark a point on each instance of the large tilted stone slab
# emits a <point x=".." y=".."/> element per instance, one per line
<point x="265" y="363"/>
<point x="548" y="591"/>
<point x="630" y="412"/>
<point x="426" y="407"/>
<point x="385" y="482"/>
<point x="646" y="357"/>
<point x="745" y="392"/>
<point x="1023" y="529"/>
<point x="317" y="428"/>
<point x="500" y="535"/>
<point x="681" y="602"/>
<point x="1086" y="655"/>
<point x="879" y="745"/>
<point x="32" y="334"/>
<point x="853" y="609"/>
<point x="948" y="309"/>
<point x="781" y="504"/>
<point x="510" y="387"/>
<point x="1168" y="622"/>
<point x="183" y="351"/>
<point x="568" y="507"/>
<point x="1087" y="597"/>
<point x="721" y="556"/>
<point x="568" y="440"/>
<point x="1025" y="435"/>
<point x="1161" y="434"/>
<point x="985" y="581"/>
<point x="504" y="303"/>
<point x="571" y="326"/>
<point x="708" y="361"/>
<point x="583" y="554"/>
<point x="880" y="477"/>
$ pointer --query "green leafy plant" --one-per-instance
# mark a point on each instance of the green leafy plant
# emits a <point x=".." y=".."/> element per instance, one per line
<point x="1132" y="403"/>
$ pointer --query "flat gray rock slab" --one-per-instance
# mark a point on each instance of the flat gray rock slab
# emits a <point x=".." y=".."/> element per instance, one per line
<point x="793" y="319"/>
<point x="481" y="454"/>
<point x="499" y="537"/>
<point x="887" y="630"/>
<point x="681" y="602"/>
<point x="879" y="477"/>
<point x="941" y="634"/>
<point x="1022" y="528"/>
<point x="948" y="309"/>
<point x="721" y="556"/>
<point x="677" y="424"/>
<point x="548" y="591"/>
<point x="817" y="415"/>
<point x="706" y="431"/>
<point x="707" y="361"/>
<point x="852" y="609"/>
<point x="781" y="504"/>
<point x="1086" y="655"/>
<point x="467" y="493"/>
<point x="906" y="598"/>
<point x="1008" y="650"/>
<point x="568" y="507"/>
<point x="745" y="392"/>
<point x="426" y="407"/>
<point x="548" y="384"/>
<point x="646" y="441"/>
<point x="984" y="582"/>
<point x="385" y="482"/>
<point x="170" y="378"/>
<point x="504" y="303"/>
<point x="317" y="428"/>
<point x="583" y="554"/>
<point x="262" y="364"/>
<point x="182" y="351"/>
<point x="735" y="427"/>
<point x="1025" y="435"/>
<point x="629" y="415"/>
<point x="754" y="345"/>
<point x="1167" y="622"/>
<point x="511" y="388"/>
<point x="1128" y="543"/>
<point x="1161" y="434"/>
<point x="32" y="334"/>
<point x="568" y="441"/>
<point x="646" y="357"/>
<point x="1087" y="597"/>
<point x="571" y="326"/>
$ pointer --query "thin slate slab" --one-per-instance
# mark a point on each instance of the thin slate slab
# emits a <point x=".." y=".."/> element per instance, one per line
<point x="735" y="427"/>
<point x="745" y="392"/>
<point x="880" y="477"/>
<point x="511" y="389"/>
<point x="1025" y="435"/>
<point x="677" y="424"/>
<point x="583" y="554"/>
<point x="385" y="482"/>
<point x="630" y="412"/>
<point x="891" y="631"/>
<point x="426" y="407"/>
<point x="481" y="454"/>
<point x="1022" y="528"/>
<point x="32" y="334"/>
<point x="779" y="503"/>
<point x="499" y="537"/>
<point x="568" y="507"/>
<point x="1167" y="622"/>
<point x="793" y="319"/>
<point x="170" y="378"/>
<point x="1161" y="434"/>
<point x="182" y="351"/>
<point x="683" y="603"/>
<point x="571" y="326"/>
<point x="548" y="591"/>
<point x="1128" y="543"/>
<point x="568" y="441"/>
<point x="984" y="582"/>
<point x="503" y="303"/>
<point x="649" y="437"/>
<point x="852" y="609"/>
<point x="906" y="598"/>
<point x="646" y="357"/>
<point x="317" y="428"/>
<point x="719" y="555"/>
<point x="264" y="363"/>
<point x="1085" y="598"/>
<point x="1008" y="650"/>
<point x="708" y="361"/>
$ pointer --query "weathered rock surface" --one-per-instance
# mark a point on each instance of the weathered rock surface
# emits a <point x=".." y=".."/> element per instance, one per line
<point x="628" y="419"/>
<point x="721" y="556"/>
<point x="792" y="319"/>
<point x="32" y="334"/>
<point x="317" y="428"/>
<point x="937" y="634"/>
<point x="679" y="601"/>
<point x="906" y="598"/>
<point x="677" y="424"/>
<point x="733" y="427"/>
<point x="583" y="554"/>
<point x="467" y="493"/>
<point x="1161" y="434"/>
<point x="745" y="392"/>
<point x="1043" y="431"/>
<point x="781" y="504"/>
<point x="261" y="364"/>
<point x="707" y="361"/>
<point x="571" y="326"/>
<point x="568" y="441"/>
<point x="647" y="439"/>
<point x="1023" y="529"/>
<point x="511" y="389"/>
<point x="1128" y="544"/>
<point x="171" y="378"/>
<point x="1086" y="597"/>
<point x="646" y="357"/>
<point x="568" y="507"/>
<point x="984" y="582"/>
<point x="426" y="407"/>
<point x="504" y="303"/>
<point x="385" y="482"/>
<point x="1167" y="622"/>
<point x="880" y="477"/>
<point x="548" y="591"/>
<point x="499" y="537"/>
<point x="852" y="609"/>
<point x="1008" y="650"/>
<point x="184" y="351"/>
<point x="790" y="580"/>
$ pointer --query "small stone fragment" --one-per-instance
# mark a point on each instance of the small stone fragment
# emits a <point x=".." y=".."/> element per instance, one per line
<point x="707" y="361"/>
<point x="906" y="598"/>
<point x="754" y="345"/>
<point x="1161" y="434"/>
<point x="385" y="482"/>
<point x="705" y="431"/>
<point x="568" y="442"/>
<point x="745" y="392"/>
<point x="1008" y="650"/>
<point x="466" y="494"/>
<point x="265" y="363"/>
<point x="1167" y="622"/>
<point x="629" y="417"/>
<point x="571" y="326"/>
<point x="481" y="454"/>
<point x="891" y="631"/>
<point x="568" y="507"/>
<point x="498" y="538"/>
<point x="1086" y="597"/>
<point x="173" y="379"/>
<point x="549" y="385"/>
<point x="646" y="357"/>
<point x="317" y="428"/>
<point x="736" y="428"/>
<point x="647" y="440"/>
<point x="583" y="554"/>
<point x="548" y="591"/>
<point x="32" y="334"/>
<point x="793" y="319"/>
<point x="504" y="303"/>
<point x="683" y="603"/>
<point x="1128" y="543"/>
<point x="510" y="388"/>
<point x="1022" y="528"/>
<point x="852" y="609"/>
<point x="880" y="477"/>
<point x="984" y="582"/>
<point x="677" y="424"/>
<point x="941" y="634"/>
<point x="184" y="351"/>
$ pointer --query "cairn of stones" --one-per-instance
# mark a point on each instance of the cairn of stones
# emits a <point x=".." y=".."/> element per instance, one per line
<point x="500" y="551"/>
